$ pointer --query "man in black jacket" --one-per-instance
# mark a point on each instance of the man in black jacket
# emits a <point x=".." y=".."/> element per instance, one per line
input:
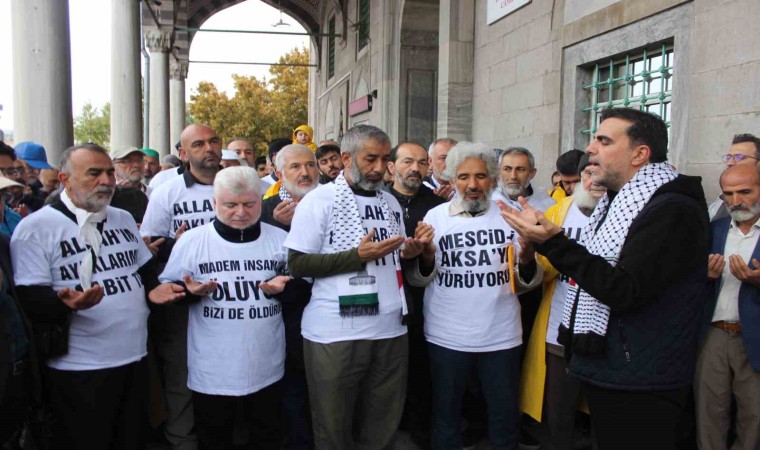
<point x="631" y="323"/>
<point x="409" y="165"/>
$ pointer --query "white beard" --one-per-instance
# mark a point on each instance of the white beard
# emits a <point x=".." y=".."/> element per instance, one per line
<point x="583" y="199"/>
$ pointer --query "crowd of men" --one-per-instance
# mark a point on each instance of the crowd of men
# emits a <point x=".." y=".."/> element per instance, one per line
<point x="324" y="298"/>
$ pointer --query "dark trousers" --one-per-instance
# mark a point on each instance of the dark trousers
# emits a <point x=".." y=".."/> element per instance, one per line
<point x="296" y="410"/>
<point x="418" y="393"/>
<point x="499" y="376"/>
<point x="99" y="409"/>
<point x="560" y="402"/>
<point x="15" y="398"/>
<point x="215" y="418"/>
<point x="637" y="420"/>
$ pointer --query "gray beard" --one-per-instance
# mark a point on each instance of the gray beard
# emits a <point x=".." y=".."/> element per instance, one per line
<point x="583" y="199"/>
<point x="360" y="181"/>
<point x="510" y="192"/>
<point x="743" y="215"/>
<point x="298" y="192"/>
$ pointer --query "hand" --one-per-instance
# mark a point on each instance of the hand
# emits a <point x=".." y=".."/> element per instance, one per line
<point x="527" y="252"/>
<point x="81" y="300"/>
<point x="283" y="212"/>
<point x="199" y="289"/>
<point x="275" y="285"/>
<point x="420" y="244"/>
<point x="153" y="246"/>
<point x="180" y="231"/>
<point x="742" y="271"/>
<point x="22" y="210"/>
<point x="166" y="293"/>
<point x="370" y="251"/>
<point x="530" y="223"/>
<point x="715" y="265"/>
<point x="446" y="191"/>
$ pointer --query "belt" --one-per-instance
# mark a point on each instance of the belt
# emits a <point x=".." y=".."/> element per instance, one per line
<point x="729" y="327"/>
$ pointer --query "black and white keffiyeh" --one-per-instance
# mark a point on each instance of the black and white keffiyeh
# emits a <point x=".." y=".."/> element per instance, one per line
<point x="606" y="239"/>
<point x="358" y="292"/>
<point x="347" y="222"/>
<point x="283" y="193"/>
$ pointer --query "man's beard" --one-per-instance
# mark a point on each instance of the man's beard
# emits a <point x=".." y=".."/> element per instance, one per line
<point x="475" y="206"/>
<point x="297" y="191"/>
<point x="408" y="182"/>
<point x="360" y="180"/>
<point x="91" y="201"/>
<point x="742" y="213"/>
<point x="510" y="191"/>
<point x="583" y="198"/>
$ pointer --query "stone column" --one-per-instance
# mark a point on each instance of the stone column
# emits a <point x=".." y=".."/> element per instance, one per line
<point x="42" y="74"/>
<point x="456" y="51"/>
<point x="159" y="44"/>
<point x="126" y="113"/>
<point x="177" y="75"/>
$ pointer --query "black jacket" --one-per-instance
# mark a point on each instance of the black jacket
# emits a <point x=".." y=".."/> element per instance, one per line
<point x="415" y="208"/>
<point x="656" y="293"/>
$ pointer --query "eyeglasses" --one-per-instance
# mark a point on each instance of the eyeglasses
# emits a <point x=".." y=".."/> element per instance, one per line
<point x="737" y="157"/>
<point x="12" y="172"/>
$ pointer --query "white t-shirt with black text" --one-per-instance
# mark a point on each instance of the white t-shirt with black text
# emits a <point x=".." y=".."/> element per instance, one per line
<point x="235" y="335"/>
<point x="310" y="232"/>
<point x="173" y="203"/>
<point x="469" y="305"/>
<point x="47" y="251"/>
<point x="574" y="223"/>
<point x="161" y="178"/>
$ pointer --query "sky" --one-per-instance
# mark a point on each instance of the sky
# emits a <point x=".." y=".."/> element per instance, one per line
<point x="90" y="18"/>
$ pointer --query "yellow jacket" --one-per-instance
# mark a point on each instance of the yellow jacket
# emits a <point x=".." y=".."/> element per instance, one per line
<point x="534" y="366"/>
<point x="273" y="189"/>
<point x="557" y="193"/>
<point x="308" y="130"/>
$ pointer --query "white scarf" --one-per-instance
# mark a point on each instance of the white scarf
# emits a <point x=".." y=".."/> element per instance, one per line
<point x="89" y="235"/>
<point x="591" y="315"/>
<point x="349" y="229"/>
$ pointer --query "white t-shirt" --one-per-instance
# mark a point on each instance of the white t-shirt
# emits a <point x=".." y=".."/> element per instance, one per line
<point x="267" y="181"/>
<point x="173" y="203"/>
<point x="161" y="178"/>
<point x="574" y="223"/>
<point x="310" y="232"/>
<point x="235" y="336"/>
<point x="469" y="306"/>
<point x="47" y="251"/>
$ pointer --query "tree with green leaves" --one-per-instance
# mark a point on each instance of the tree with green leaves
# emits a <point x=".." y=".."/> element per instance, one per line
<point x="258" y="110"/>
<point x="93" y="125"/>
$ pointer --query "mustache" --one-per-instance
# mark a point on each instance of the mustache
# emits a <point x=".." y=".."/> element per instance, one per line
<point x="413" y="173"/>
<point x="304" y="179"/>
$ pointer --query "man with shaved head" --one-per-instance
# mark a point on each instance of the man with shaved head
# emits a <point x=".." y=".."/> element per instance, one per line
<point x="729" y="357"/>
<point x="181" y="203"/>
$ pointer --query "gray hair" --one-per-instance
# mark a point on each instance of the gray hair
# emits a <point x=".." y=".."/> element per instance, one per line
<point x="238" y="180"/>
<point x="520" y="151"/>
<point x="64" y="165"/>
<point x="445" y="140"/>
<point x="466" y="150"/>
<point x="287" y="151"/>
<point x="356" y="136"/>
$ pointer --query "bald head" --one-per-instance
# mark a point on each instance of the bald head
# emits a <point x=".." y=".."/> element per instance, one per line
<point x="748" y="173"/>
<point x="201" y="148"/>
<point x="740" y="189"/>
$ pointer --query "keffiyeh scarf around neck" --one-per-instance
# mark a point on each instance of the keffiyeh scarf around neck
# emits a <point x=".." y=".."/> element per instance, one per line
<point x="89" y="235"/>
<point x="584" y="318"/>
<point x="357" y="292"/>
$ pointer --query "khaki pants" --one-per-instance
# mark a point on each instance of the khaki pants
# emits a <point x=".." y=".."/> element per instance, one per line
<point x="722" y="369"/>
<point x="357" y="391"/>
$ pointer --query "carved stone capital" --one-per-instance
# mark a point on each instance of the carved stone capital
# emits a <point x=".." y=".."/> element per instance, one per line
<point x="177" y="69"/>
<point x="158" y="40"/>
